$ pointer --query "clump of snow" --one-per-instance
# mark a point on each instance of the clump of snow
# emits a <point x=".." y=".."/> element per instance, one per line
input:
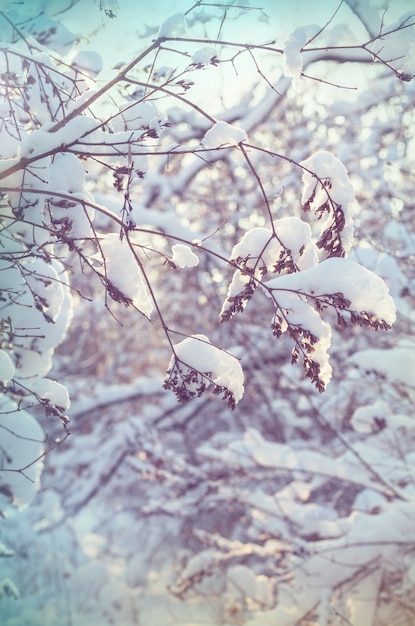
<point x="196" y="352"/>
<point x="88" y="61"/>
<point x="52" y="391"/>
<point x="293" y="60"/>
<point x="22" y="439"/>
<point x="136" y="116"/>
<point x="365" y="291"/>
<point x="299" y="314"/>
<point x="288" y="247"/>
<point x="174" y="26"/>
<point x="259" y="589"/>
<point x="123" y="272"/>
<point x="357" y="295"/>
<point x="332" y="199"/>
<point x="31" y="286"/>
<point x="365" y="419"/>
<point x="66" y="174"/>
<point x="223" y="134"/>
<point x="8" y="589"/>
<point x="6" y="368"/>
<point x="204" y="56"/>
<point x="263" y="247"/>
<point x="183" y="256"/>
<point x="46" y="139"/>
<point x="396" y="364"/>
<point x="369" y="501"/>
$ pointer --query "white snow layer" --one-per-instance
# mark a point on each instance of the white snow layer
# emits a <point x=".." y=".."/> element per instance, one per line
<point x="52" y="391"/>
<point x="183" y="256"/>
<point x="123" y="271"/>
<point x="197" y="352"/>
<point x="397" y="364"/>
<point x="21" y="444"/>
<point x="263" y="248"/>
<point x="293" y="60"/>
<point x="204" y="55"/>
<point x="6" y="367"/>
<point x="174" y="26"/>
<point x="223" y="134"/>
<point x="88" y="61"/>
<point x="330" y="169"/>
<point x="365" y="291"/>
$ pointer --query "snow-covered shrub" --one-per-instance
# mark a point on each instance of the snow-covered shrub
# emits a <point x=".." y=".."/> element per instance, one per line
<point x="175" y="211"/>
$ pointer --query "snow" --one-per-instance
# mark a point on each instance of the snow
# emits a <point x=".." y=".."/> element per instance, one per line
<point x="6" y="367"/>
<point x="88" y="61"/>
<point x="124" y="507"/>
<point x="391" y="47"/>
<point x="44" y="281"/>
<point x="255" y="588"/>
<point x="204" y="55"/>
<point x="293" y="60"/>
<point x="121" y="269"/>
<point x="300" y="314"/>
<point x="223" y="134"/>
<point x="396" y="364"/>
<point x="183" y="256"/>
<point x="364" y="418"/>
<point x="22" y="438"/>
<point x="365" y="291"/>
<point x="198" y="353"/>
<point x="52" y="391"/>
<point x="46" y="140"/>
<point x="287" y="247"/>
<point x="8" y="589"/>
<point x="262" y="247"/>
<point x="369" y="500"/>
<point x="174" y="26"/>
<point x="42" y="285"/>
<point x="338" y="188"/>
<point x="138" y="115"/>
<point x="66" y="174"/>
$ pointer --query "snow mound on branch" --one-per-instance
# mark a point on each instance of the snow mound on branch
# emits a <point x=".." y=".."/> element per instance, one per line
<point x="258" y="589"/>
<point x="365" y="291"/>
<point x="174" y="26"/>
<point x="357" y="296"/>
<point x="66" y="174"/>
<point x="51" y="391"/>
<point x="139" y="115"/>
<point x="365" y="417"/>
<point x="124" y="279"/>
<point x="46" y="139"/>
<point x="293" y="60"/>
<point x="397" y="364"/>
<point x="204" y="56"/>
<point x="88" y="61"/>
<point x="263" y="246"/>
<point x="196" y="364"/>
<point x="328" y="192"/>
<point x="6" y="367"/>
<point x="223" y="134"/>
<point x="183" y="256"/>
<point x="300" y="315"/>
<point x="392" y="47"/>
<point x="22" y="438"/>
<point x="287" y="248"/>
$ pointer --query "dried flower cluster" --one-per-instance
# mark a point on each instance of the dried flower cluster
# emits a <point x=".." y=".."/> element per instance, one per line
<point x="330" y="239"/>
<point x="187" y="383"/>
